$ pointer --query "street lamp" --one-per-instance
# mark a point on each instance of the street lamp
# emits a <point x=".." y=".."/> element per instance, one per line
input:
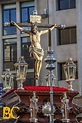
<point x="70" y="70"/>
<point x="8" y="80"/>
<point x="21" y="70"/>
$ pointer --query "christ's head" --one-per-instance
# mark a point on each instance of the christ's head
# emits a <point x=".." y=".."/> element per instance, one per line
<point x="34" y="29"/>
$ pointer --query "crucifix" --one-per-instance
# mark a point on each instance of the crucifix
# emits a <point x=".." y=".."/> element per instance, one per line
<point x="36" y="51"/>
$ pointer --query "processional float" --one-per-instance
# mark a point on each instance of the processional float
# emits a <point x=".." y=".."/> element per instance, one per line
<point x="43" y="103"/>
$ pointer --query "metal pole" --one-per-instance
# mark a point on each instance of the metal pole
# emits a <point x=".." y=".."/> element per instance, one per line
<point x="51" y="99"/>
<point x="50" y="79"/>
<point x="49" y="38"/>
<point x="50" y="66"/>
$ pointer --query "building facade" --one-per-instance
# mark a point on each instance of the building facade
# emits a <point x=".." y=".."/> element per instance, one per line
<point x="65" y="43"/>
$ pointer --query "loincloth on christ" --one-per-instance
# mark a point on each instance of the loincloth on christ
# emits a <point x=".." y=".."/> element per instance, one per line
<point x="38" y="51"/>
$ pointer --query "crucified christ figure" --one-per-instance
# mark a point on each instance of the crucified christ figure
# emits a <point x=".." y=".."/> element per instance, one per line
<point x="36" y="50"/>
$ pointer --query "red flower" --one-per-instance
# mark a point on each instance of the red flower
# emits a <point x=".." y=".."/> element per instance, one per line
<point x="44" y="88"/>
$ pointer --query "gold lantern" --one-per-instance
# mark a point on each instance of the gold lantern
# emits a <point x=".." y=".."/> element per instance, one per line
<point x="21" y="70"/>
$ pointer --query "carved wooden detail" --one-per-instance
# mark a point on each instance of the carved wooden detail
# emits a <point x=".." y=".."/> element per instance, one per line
<point x="44" y="97"/>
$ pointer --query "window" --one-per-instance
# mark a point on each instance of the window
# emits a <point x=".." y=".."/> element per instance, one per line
<point x="9" y="53"/>
<point x="66" y="4"/>
<point x="9" y="14"/>
<point x="25" y="52"/>
<point x="25" y="43"/>
<point x="67" y="36"/>
<point x="29" y="79"/>
<point x="26" y="10"/>
<point x="61" y="74"/>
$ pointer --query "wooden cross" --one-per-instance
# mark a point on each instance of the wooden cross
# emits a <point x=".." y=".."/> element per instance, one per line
<point x="43" y="26"/>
